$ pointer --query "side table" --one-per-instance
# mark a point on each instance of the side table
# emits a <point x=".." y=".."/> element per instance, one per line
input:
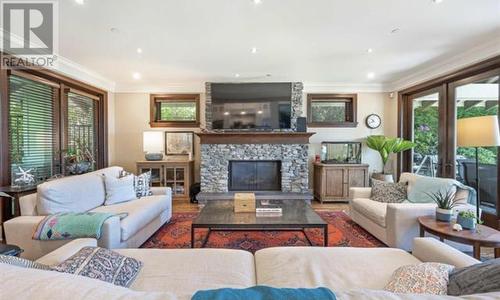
<point x="15" y="193"/>
<point x="482" y="236"/>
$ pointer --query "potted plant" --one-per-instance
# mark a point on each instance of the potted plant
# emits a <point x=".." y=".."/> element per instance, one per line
<point x="79" y="159"/>
<point x="467" y="219"/>
<point x="385" y="146"/>
<point x="445" y="201"/>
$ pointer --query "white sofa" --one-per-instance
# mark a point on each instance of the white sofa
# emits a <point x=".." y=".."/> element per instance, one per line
<point x="351" y="273"/>
<point x="396" y="224"/>
<point x="87" y="193"/>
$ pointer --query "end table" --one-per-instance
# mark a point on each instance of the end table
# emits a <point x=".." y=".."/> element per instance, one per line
<point x="15" y="193"/>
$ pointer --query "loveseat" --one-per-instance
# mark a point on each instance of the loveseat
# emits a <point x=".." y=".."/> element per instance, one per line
<point x="351" y="273"/>
<point x="84" y="193"/>
<point x="396" y="224"/>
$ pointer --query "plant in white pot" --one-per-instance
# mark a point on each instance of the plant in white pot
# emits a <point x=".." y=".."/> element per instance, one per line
<point x="445" y="201"/>
<point x="385" y="146"/>
<point x="467" y="219"/>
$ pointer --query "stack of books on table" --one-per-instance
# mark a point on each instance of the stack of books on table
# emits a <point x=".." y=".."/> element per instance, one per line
<point x="269" y="208"/>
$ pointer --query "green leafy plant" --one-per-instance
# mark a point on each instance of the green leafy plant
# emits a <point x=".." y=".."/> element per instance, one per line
<point x="385" y="146"/>
<point x="469" y="214"/>
<point x="444" y="200"/>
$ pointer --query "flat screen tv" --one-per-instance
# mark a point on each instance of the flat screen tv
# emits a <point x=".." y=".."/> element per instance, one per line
<point x="251" y="106"/>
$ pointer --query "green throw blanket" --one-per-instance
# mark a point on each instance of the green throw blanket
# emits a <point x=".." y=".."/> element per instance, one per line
<point x="66" y="226"/>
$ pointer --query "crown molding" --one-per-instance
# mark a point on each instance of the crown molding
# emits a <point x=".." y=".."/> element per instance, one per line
<point x="469" y="57"/>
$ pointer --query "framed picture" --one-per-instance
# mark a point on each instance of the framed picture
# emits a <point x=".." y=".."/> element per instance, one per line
<point x="179" y="142"/>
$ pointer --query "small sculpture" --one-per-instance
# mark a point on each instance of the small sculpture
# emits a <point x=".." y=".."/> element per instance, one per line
<point x="457" y="227"/>
<point x="24" y="177"/>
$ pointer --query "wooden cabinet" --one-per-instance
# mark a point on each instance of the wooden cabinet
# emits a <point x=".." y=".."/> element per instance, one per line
<point x="175" y="174"/>
<point x="332" y="182"/>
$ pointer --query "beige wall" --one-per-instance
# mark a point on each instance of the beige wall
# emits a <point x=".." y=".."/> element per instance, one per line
<point x="131" y="118"/>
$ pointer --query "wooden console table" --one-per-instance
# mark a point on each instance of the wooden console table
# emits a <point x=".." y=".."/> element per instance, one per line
<point x="483" y="236"/>
<point x="332" y="181"/>
<point x="174" y="173"/>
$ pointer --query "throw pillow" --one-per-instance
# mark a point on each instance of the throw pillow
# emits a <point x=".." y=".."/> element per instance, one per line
<point x="21" y="262"/>
<point x="142" y="183"/>
<point x="424" y="187"/>
<point x="423" y="278"/>
<point x="119" y="189"/>
<point x="102" y="264"/>
<point x="388" y="192"/>
<point x="475" y="279"/>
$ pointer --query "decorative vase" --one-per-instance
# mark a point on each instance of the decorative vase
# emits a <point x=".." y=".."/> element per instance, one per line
<point x="383" y="177"/>
<point x="444" y="215"/>
<point x="466" y="223"/>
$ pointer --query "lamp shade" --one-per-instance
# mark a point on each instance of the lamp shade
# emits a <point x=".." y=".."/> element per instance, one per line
<point x="478" y="132"/>
<point x="152" y="141"/>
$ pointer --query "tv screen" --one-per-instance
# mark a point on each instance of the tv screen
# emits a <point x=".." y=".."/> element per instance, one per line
<point x="251" y="106"/>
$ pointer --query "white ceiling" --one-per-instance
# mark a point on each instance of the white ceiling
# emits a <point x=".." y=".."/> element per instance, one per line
<point x="188" y="42"/>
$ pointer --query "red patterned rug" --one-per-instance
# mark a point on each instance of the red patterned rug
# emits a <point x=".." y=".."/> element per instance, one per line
<point x="342" y="231"/>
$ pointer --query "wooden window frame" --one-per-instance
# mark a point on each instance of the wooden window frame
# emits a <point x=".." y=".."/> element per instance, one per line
<point x="63" y="83"/>
<point x="352" y="115"/>
<point x="446" y="83"/>
<point x="158" y="98"/>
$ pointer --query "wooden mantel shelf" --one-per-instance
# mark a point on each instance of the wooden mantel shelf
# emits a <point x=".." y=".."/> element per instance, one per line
<point x="264" y="137"/>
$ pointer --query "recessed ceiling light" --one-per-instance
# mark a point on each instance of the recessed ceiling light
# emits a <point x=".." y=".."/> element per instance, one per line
<point x="226" y="113"/>
<point x="254" y="50"/>
<point x="243" y="112"/>
<point x="139" y="50"/>
<point x="136" y="75"/>
<point x="395" y="30"/>
<point x="81" y="2"/>
<point x="236" y="75"/>
<point x="437" y="1"/>
<point x="114" y="30"/>
<point x="257" y="1"/>
<point x="260" y="112"/>
<point x="370" y="75"/>
<point x="369" y="50"/>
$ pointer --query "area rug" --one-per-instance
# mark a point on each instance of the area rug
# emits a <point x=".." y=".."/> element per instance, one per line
<point x="342" y="231"/>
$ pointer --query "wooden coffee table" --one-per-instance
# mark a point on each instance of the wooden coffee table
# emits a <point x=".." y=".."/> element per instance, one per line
<point x="482" y="236"/>
<point x="219" y="215"/>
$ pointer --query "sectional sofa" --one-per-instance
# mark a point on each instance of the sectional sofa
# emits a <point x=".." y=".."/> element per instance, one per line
<point x="352" y="273"/>
<point x="87" y="193"/>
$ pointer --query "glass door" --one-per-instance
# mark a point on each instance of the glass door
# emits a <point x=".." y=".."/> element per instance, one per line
<point x="477" y="97"/>
<point x="425" y="130"/>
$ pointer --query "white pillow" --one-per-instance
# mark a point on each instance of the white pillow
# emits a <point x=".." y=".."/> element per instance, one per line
<point x="119" y="190"/>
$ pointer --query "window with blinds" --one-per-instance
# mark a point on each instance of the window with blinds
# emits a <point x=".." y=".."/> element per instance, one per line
<point x="82" y="146"/>
<point x="31" y="128"/>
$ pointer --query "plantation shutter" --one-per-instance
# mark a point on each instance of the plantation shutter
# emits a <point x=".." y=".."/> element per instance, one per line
<point x="32" y="130"/>
<point x="82" y="126"/>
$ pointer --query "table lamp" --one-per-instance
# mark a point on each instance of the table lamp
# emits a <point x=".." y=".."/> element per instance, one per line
<point x="152" y="143"/>
<point x="478" y="132"/>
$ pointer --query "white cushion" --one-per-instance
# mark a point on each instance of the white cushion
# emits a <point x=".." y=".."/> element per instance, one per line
<point x="140" y="212"/>
<point x="119" y="189"/>
<point x="184" y="271"/>
<point x="338" y="269"/>
<point x="20" y="284"/>
<point x="373" y="210"/>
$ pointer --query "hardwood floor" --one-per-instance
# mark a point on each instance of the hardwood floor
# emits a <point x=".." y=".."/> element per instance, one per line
<point x="180" y="206"/>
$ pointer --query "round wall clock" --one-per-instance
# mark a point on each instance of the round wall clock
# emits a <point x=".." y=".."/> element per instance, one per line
<point x="373" y="121"/>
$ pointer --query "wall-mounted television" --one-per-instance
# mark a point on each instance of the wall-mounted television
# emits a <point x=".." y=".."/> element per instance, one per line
<point x="251" y="106"/>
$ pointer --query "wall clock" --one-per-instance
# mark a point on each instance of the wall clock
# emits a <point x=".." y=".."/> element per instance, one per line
<point x="373" y="121"/>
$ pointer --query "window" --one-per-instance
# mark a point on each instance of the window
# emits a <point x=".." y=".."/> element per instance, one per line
<point x="182" y="110"/>
<point x="332" y="110"/>
<point x="53" y="125"/>
<point x="32" y="137"/>
<point x="81" y="145"/>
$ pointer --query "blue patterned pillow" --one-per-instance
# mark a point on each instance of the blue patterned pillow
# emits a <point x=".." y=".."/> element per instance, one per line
<point x="102" y="264"/>
<point x="142" y="183"/>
